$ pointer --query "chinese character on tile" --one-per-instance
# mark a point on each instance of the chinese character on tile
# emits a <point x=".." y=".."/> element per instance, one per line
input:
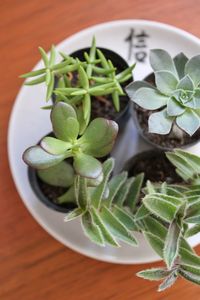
<point x="137" y="45"/>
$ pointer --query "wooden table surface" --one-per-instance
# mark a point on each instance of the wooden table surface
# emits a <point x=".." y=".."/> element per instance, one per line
<point x="34" y="266"/>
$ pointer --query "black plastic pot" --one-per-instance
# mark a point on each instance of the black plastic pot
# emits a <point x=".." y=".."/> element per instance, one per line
<point x="151" y="137"/>
<point x="155" y="166"/>
<point x="120" y="117"/>
<point x="36" y="185"/>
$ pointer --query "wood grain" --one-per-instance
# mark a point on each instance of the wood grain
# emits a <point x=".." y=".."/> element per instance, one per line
<point x="32" y="264"/>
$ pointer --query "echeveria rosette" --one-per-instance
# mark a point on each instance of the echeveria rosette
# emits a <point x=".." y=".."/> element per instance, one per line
<point x="97" y="141"/>
<point x="176" y="95"/>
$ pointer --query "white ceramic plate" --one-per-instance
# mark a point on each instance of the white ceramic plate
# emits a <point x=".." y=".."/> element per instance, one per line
<point x="28" y="123"/>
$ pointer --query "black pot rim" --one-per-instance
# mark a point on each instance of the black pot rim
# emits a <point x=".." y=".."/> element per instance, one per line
<point x="145" y="137"/>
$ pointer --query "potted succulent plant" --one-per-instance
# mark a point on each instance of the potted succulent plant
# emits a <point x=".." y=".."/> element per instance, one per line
<point x="70" y="172"/>
<point x="167" y="102"/>
<point x="91" y="79"/>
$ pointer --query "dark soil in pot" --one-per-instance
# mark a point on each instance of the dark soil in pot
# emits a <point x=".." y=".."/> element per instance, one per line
<point x="102" y="106"/>
<point x="155" y="166"/>
<point x="164" y="142"/>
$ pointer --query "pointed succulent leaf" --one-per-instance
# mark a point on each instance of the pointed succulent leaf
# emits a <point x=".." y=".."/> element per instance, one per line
<point x="37" y="158"/>
<point x="193" y="209"/>
<point x="160" y="122"/>
<point x="36" y="81"/>
<point x="192" y="269"/>
<point x="125" y="217"/>
<point x="166" y="82"/>
<point x="59" y="116"/>
<point x="134" y="86"/>
<point x="174" y="108"/>
<point x="61" y="174"/>
<point x="192" y="68"/>
<point x="169" y="281"/>
<point x="192" y="231"/>
<point x="188" y="122"/>
<point x="163" y="206"/>
<point x="182" y="164"/>
<point x="123" y="192"/>
<point x="154" y="273"/>
<point x="82" y="195"/>
<point x="77" y="212"/>
<point x="115" y="184"/>
<point x="189" y="258"/>
<point x="50" y="86"/>
<point x="141" y="213"/>
<point x="155" y="242"/>
<point x="180" y="60"/>
<point x="99" y="191"/>
<point x="134" y="191"/>
<point x="106" y="233"/>
<point x="86" y="107"/>
<point x="149" y="98"/>
<point x="83" y="79"/>
<point x="44" y="57"/>
<point x="91" y="230"/>
<point x="99" y="137"/>
<point x="116" y="101"/>
<point x="33" y="73"/>
<point x="195" y="278"/>
<point x="161" y="60"/>
<point x="52" y="55"/>
<point x="87" y="166"/>
<point x="103" y="59"/>
<point x="117" y="227"/>
<point x="68" y="196"/>
<point x="186" y="83"/>
<point x="54" y="146"/>
<point x="155" y="227"/>
<point x="172" y="243"/>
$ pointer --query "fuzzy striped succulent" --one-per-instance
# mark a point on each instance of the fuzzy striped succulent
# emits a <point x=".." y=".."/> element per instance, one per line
<point x="176" y="94"/>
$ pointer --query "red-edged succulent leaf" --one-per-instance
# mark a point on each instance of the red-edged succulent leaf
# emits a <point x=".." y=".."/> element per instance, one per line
<point x="38" y="158"/>
<point x="99" y="137"/>
<point x="60" y="120"/>
<point x="87" y="166"/>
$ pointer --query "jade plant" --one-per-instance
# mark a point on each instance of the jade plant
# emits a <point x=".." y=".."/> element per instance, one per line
<point x="78" y="81"/>
<point x="175" y="96"/>
<point x="97" y="141"/>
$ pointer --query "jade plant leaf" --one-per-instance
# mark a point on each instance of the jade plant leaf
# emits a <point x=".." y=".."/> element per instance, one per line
<point x="87" y="166"/>
<point x="59" y="116"/>
<point x="54" y="146"/>
<point x="99" y="137"/>
<point x="61" y="174"/>
<point x="38" y="158"/>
